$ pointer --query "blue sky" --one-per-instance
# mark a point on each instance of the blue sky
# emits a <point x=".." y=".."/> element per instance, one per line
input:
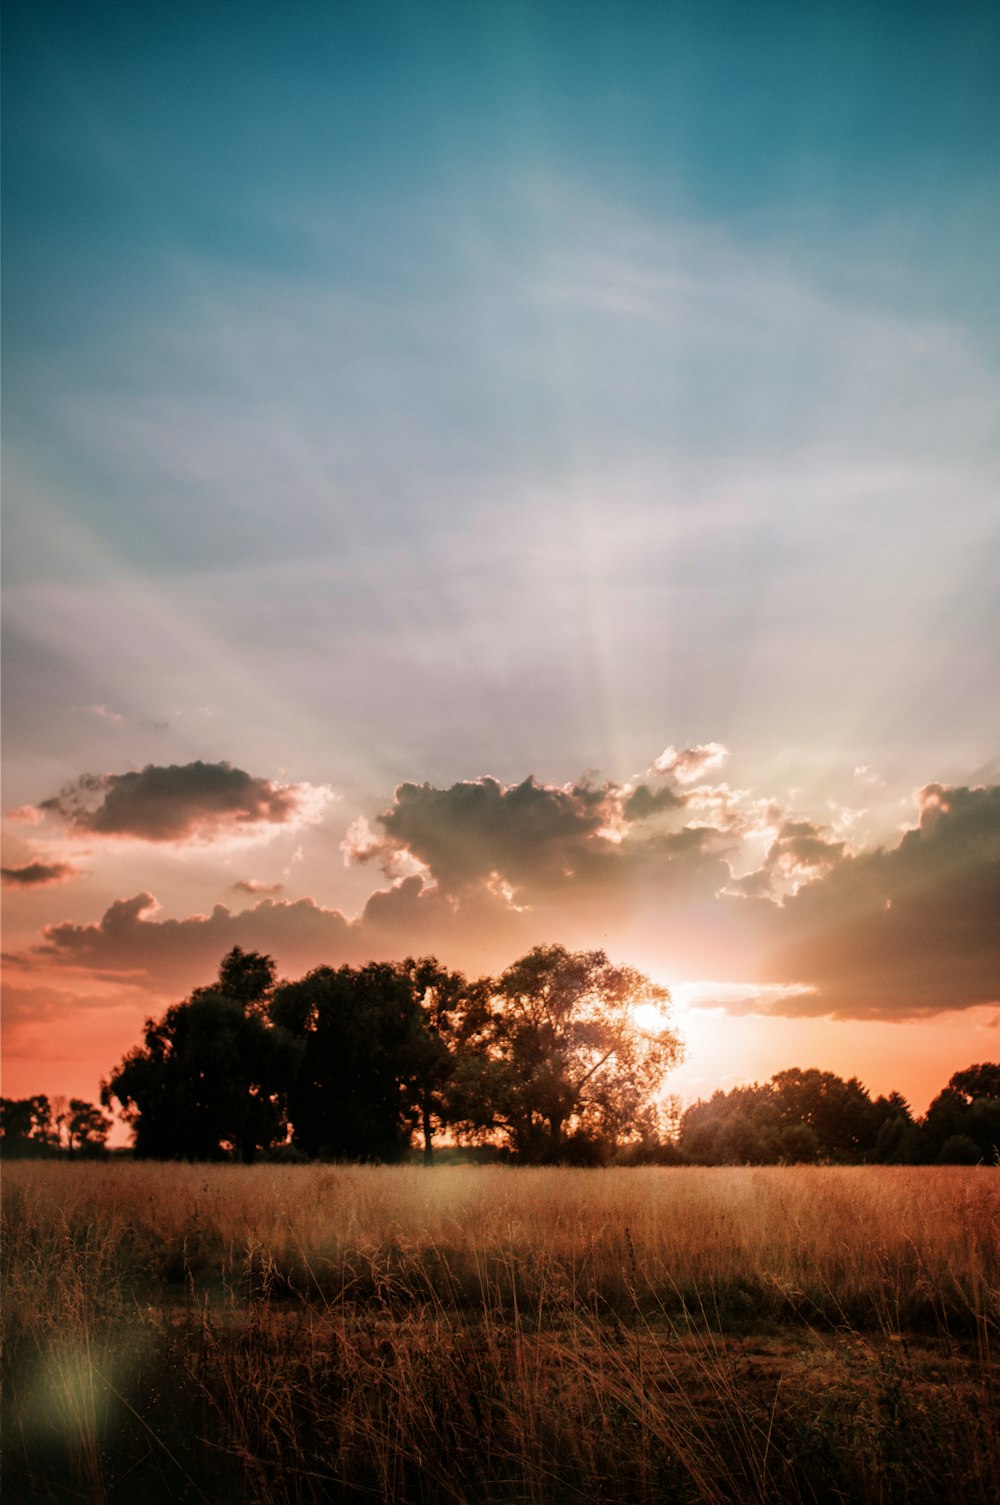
<point x="420" y="393"/>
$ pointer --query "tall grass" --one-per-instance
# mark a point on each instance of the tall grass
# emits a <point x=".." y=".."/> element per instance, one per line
<point x="472" y="1334"/>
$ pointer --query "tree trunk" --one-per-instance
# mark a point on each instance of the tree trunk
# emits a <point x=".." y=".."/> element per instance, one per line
<point x="428" y="1145"/>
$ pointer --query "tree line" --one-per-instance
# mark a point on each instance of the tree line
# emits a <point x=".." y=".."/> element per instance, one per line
<point x="808" y="1116"/>
<point x="552" y="1062"/>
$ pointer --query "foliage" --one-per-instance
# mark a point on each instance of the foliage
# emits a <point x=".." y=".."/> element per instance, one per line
<point x="966" y="1112"/>
<point x="363" y="1049"/>
<point x="554" y="1059"/>
<point x="26" y="1126"/>
<point x="35" y="1126"/>
<point x="798" y="1116"/>
<point x="211" y="1075"/>
<point x="547" y="1063"/>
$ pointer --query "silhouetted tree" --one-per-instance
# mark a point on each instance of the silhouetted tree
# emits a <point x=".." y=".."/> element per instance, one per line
<point x="354" y="1095"/>
<point x="442" y="998"/>
<point x="87" y="1128"/>
<point x="977" y="1082"/>
<point x="27" y="1128"/>
<point x="554" y="1059"/>
<point x="247" y="976"/>
<point x="967" y="1109"/>
<point x="897" y="1136"/>
<point x="211" y="1076"/>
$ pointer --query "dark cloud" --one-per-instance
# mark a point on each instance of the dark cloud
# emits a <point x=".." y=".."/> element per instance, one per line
<point x="540" y="844"/>
<point x="529" y="833"/>
<point x="38" y="874"/>
<point x="180" y="802"/>
<point x="128" y="941"/>
<point x="901" y="933"/>
<point x="800" y="853"/>
<point x="251" y="886"/>
<point x="644" y="802"/>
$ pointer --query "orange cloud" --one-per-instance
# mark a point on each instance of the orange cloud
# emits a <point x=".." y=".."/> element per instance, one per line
<point x="691" y="763"/>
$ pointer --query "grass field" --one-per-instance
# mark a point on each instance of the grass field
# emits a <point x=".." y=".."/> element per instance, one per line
<point x="295" y="1334"/>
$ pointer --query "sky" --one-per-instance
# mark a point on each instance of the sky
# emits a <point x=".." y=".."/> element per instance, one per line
<point x="482" y="475"/>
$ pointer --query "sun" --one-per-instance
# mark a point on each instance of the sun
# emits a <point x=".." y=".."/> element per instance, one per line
<point x="650" y="1018"/>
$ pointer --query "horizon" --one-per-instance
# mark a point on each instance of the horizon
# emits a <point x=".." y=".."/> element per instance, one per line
<point x="483" y="477"/>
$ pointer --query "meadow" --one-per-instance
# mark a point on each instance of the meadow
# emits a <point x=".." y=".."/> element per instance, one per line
<point x="487" y="1334"/>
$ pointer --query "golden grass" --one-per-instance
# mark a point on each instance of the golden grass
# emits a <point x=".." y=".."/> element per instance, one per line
<point x="286" y="1333"/>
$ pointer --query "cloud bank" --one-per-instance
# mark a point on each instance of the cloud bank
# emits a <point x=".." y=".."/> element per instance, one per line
<point x="909" y="931"/>
<point x="479" y="870"/>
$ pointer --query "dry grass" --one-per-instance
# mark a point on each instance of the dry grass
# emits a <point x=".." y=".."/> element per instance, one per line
<point x="316" y="1333"/>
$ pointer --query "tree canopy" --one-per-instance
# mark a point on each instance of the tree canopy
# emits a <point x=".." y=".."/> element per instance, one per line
<point x="351" y="1063"/>
<point x="555" y="1059"/>
<point x="212" y="1074"/>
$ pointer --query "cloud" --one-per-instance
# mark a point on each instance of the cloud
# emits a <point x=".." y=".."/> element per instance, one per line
<point x="690" y="763"/>
<point x="800" y="853"/>
<point x="539" y="843"/>
<point x="104" y="712"/>
<point x="183" y="802"/>
<point x="130" y="941"/>
<point x="33" y="1005"/>
<point x="732" y="810"/>
<point x="480" y="871"/>
<point x="906" y="932"/>
<point x="38" y="874"/>
<point x="26" y="815"/>
<point x="642" y="802"/>
<point x="361" y="845"/>
<point x="531" y="834"/>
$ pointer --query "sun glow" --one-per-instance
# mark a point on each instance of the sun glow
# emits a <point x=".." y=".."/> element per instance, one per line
<point x="650" y="1018"/>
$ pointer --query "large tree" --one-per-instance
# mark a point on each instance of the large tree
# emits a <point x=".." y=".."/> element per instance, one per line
<point x="559" y="1055"/>
<point x="360" y="1034"/>
<point x="963" y="1121"/>
<point x="211" y="1076"/>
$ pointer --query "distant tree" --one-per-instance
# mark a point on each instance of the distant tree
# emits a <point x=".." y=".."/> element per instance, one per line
<point x="960" y="1149"/>
<point x="975" y="1082"/>
<point x="553" y="1058"/>
<point x="840" y="1113"/>
<point x="211" y="1076"/>
<point x="87" y="1128"/>
<point x="793" y="1144"/>
<point x="798" y="1116"/>
<point x="738" y="1127"/>
<point x="896" y="1134"/>
<point x="27" y="1128"/>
